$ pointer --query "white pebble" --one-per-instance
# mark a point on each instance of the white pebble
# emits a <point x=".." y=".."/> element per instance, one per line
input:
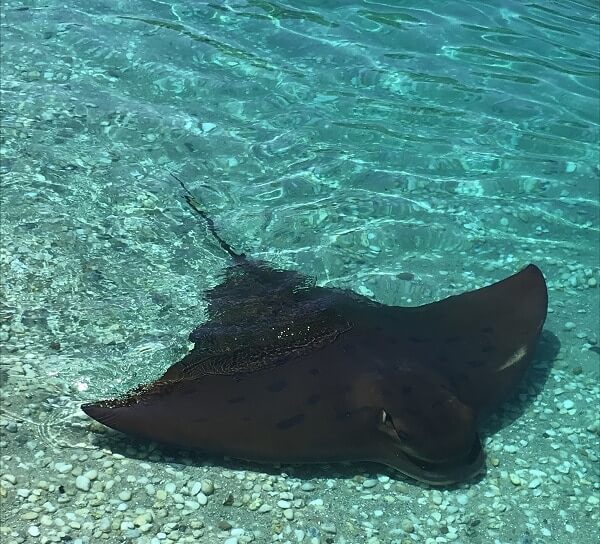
<point x="568" y="404"/>
<point x="91" y="474"/>
<point x="82" y="483"/>
<point x="63" y="468"/>
<point x="195" y="488"/>
<point x="202" y="499"/>
<point x="34" y="530"/>
<point x="125" y="495"/>
<point x="462" y="499"/>
<point x="436" y="498"/>
<point x="170" y="487"/>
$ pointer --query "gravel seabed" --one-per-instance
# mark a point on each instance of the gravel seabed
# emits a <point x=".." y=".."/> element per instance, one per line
<point x="66" y="478"/>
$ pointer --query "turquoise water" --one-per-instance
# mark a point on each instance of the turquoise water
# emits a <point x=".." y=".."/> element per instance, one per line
<point x="405" y="150"/>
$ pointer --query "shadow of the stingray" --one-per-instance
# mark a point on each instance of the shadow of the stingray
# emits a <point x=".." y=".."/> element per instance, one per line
<point x="161" y="454"/>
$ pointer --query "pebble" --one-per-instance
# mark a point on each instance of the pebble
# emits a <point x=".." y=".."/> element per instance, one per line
<point x="307" y="486"/>
<point x="195" y="488"/>
<point x="10" y="478"/>
<point x="125" y="495"/>
<point x="63" y="468"/>
<point x="170" y="487"/>
<point x="202" y="499"/>
<point x="207" y="127"/>
<point x="161" y="495"/>
<point x="207" y="487"/>
<point x="328" y="527"/>
<point x="82" y="483"/>
<point x="284" y="504"/>
<point x="407" y="526"/>
<point x="462" y="499"/>
<point x="34" y="530"/>
<point x="436" y="498"/>
<point x="91" y="474"/>
<point x="367" y="484"/>
<point x="569" y="326"/>
<point x="264" y="508"/>
<point x="288" y="514"/>
<point x="568" y="404"/>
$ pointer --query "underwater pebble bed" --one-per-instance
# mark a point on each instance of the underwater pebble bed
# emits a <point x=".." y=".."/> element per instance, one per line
<point x="67" y="478"/>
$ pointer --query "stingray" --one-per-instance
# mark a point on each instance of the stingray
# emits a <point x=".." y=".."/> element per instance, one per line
<point x="285" y="371"/>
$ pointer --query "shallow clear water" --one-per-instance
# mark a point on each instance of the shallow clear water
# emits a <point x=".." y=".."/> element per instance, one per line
<point x="404" y="150"/>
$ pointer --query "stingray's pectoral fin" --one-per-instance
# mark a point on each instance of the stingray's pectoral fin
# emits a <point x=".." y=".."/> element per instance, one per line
<point x="125" y="414"/>
<point x="482" y="341"/>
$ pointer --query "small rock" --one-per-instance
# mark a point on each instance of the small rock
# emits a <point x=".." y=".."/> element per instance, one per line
<point x="367" y="484"/>
<point x="63" y="468"/>
<point x="125" y="495"/>
<point x="170" y="487"/>
<point x="462" y="499"/>
<point x="436" y="498"/>
<point x="328" y="527"/>
<point x="82" y="483"/>
<point x="288" y="514"/>
<point x="207" y="487"/>
<point x="407" y="526"/>
<point x="33" y="530"/>
<point x="161" y="494"/>
<point x="195" y="488"/>
<point x="91" y="474"/>
<point x="202" y="499"/>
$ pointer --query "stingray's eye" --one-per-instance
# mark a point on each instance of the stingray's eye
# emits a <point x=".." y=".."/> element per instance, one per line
<point x="388" y="422"/>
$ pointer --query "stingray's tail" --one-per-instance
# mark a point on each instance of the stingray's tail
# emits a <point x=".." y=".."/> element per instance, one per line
<point x="210" y="225"/>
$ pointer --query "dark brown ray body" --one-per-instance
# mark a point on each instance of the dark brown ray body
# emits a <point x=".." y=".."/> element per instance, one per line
<point x="284" y="371"/>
